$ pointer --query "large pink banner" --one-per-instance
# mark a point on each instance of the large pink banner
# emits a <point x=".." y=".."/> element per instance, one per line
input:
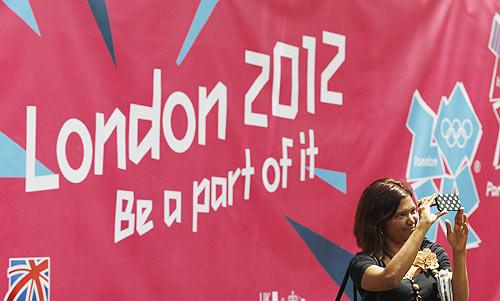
<point x="216" y="150"/>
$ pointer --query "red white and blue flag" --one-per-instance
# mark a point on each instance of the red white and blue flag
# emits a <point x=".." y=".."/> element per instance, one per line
<point x="29" y="279"/>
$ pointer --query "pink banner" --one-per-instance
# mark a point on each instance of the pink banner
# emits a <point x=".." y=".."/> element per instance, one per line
<point x="216" y="150"/>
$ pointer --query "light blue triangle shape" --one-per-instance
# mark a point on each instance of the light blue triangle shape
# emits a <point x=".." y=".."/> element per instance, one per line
<point x="337" y="179"/>
<point x="22" y="8"/>
<point x="200" y="18"/>
<point x="473" y="240"/>
<point x="13" y="160"/>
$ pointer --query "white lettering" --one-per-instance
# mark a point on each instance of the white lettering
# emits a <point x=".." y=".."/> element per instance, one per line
<point x="179" y="99"/>
<point x="338" y="41"/>
<point x="103" y="132"/>
<point x="74" y="125"/>
<point x="270" y="162"/>
<point x="425" y="162"/>
<point x="122" y="215"/>
<point x="205" y="105"/>
<point x="247" y="172"/>
<point x="144" y="208"/>
<point x="33" y="182"/>
<point x="198" y="188"/>
<point x="309" y="43"/>
<point x="285" y="161"/>
<point x="311" y="151"/>
<point x="232" y="177"/>
<point x="151" y="140"/>
<point x="219" y="191"/>
<point x="302" y="140"/>
<point x="221" y="200"/>
<point x="492" y="190"/>
<point x="263" y="61"/>
<point x="169" y="216"/>
<point x="117" y="123"/>
<point x="291" y="52"/>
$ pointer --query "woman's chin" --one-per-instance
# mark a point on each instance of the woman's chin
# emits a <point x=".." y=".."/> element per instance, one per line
<point x="408" y="232"/>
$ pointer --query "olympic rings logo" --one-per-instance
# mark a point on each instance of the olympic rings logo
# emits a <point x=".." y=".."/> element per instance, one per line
<point x="456" y="133"/>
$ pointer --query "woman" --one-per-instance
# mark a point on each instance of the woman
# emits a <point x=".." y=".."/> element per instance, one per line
<point x="390" y="229"/>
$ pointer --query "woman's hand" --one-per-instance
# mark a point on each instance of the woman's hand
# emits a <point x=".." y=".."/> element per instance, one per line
<point x="458" y="242"/>
<point x="457" y="238"/>
<point x="426" y="217"/>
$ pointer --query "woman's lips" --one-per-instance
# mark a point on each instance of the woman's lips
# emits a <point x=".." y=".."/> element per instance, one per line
<point x="410" y="229"/>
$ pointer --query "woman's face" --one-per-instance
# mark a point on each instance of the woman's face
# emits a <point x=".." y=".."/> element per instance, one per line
<point x="402" y="224"/>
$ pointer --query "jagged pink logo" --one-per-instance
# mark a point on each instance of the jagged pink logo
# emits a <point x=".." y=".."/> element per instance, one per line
<point x="494" y="46"/>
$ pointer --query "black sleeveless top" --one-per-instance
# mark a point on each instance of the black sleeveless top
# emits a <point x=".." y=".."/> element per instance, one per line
<point x="403" y="292"/>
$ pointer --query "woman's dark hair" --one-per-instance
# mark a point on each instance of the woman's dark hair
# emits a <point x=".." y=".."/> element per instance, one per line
<point x="377" y="205"/>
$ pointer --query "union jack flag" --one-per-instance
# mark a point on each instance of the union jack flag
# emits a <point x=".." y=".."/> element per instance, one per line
<point x="28" y="279"/>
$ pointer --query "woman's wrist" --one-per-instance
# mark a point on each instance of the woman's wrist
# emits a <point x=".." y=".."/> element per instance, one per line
<point x="424" y="225"/>
<point x="459" y="252"/>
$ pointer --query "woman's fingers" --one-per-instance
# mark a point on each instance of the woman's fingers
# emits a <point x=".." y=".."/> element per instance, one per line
<point x="439" y="214"/>
<point x="430" y="198"/>
<point x="459" y="217"/>
<point x="448" y="227"/>
<point x="426" y="200"/>
<point x="466" y="227"/>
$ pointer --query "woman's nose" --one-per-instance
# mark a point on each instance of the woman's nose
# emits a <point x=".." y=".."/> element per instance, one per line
<point x="412" y="219"/>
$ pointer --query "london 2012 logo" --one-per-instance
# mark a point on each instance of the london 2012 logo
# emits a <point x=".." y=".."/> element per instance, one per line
<point x="442" y="151"/>
<point x="494" y="46"/>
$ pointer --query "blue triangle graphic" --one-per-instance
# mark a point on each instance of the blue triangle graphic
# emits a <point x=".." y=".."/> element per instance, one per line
<point x="473" y="240"/>
<point x="22" y="8"/>
<point x="337" y="179"/>
<point x="200" y="18"/>
<point x="332" y="258"/>
<point x="101" y="16"/>
<point x="13" y="160"/>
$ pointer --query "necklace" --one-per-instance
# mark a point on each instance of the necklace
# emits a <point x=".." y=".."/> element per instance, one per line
<point x="425" y="260"/>
<point x="415" y="288"/>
